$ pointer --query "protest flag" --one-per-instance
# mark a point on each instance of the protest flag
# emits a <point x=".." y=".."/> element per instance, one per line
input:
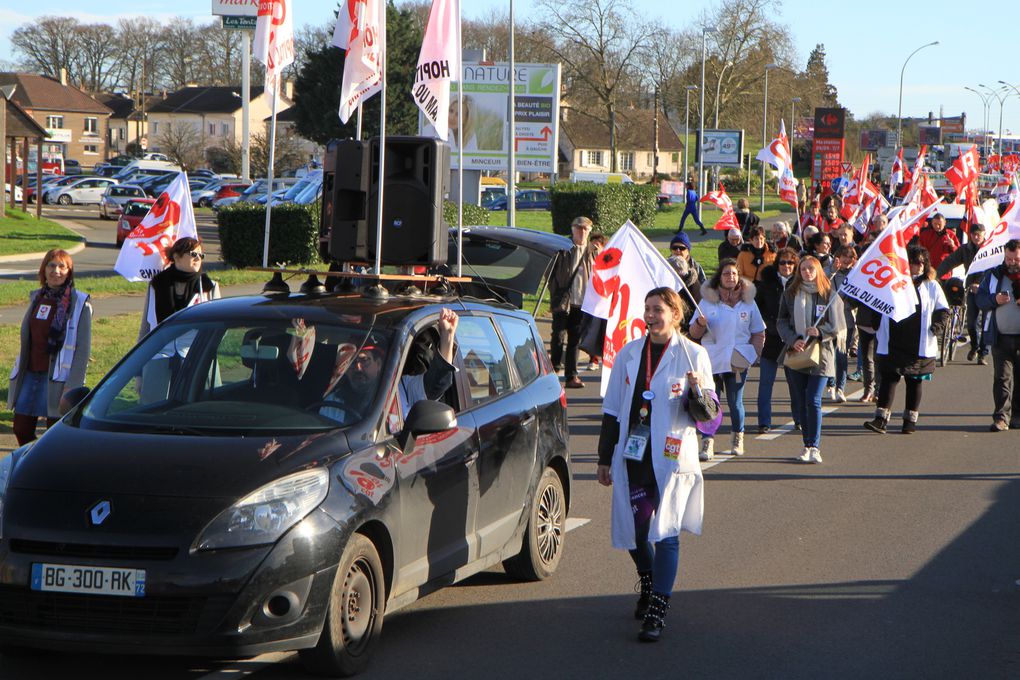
<point x="778" y="155"/>
<point x="896" y="175"/>
<point x="171" y="217"/>
<point x="361" y="31"/>
<point x="438" y="65"/>
<point x="964" y="170"/>
<point x="728" y="220"/>
<point x="992" y="251"/>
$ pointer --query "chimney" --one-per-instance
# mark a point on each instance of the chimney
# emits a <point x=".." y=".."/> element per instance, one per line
<point x="63" y="76"/>
<point x="288" y="89"/>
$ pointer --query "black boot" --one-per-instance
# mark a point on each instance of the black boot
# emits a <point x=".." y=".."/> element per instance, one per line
<point x="880" y="422"/>
<point x="909" y="422"/>
<point x="645" y="583"/>
<point x="653" y="624"/>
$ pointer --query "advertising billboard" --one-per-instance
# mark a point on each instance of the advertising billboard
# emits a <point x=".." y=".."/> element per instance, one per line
<point x="827" y="159"/>
<point x="873" y="140"/>
<point x="235" y="8"/>
<point x="486" y="100"/>
<point x="929" y="134"/>
<point x="723" y="147"/>
<point x="829" y="123"/>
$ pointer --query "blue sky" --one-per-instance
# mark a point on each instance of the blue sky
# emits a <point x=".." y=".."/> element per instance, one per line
<point x="866" y="42"/>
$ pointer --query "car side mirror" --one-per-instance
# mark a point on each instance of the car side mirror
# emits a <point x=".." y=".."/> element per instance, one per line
<point x="428" y="417"/>
<point x="72" y="398"/>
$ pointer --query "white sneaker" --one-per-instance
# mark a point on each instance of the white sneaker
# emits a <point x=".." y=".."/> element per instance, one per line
<point x="805" y="457"/>
<point x="840" y="396"/>
<point x="594" y="366"/>
<point x="832" y="394"/>
<point x="738" y="444"/>
<point x="707" y="449"/>
<point x="816" y="455"/>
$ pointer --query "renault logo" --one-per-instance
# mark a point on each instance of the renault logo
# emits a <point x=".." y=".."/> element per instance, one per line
<point x="99" y="512"/>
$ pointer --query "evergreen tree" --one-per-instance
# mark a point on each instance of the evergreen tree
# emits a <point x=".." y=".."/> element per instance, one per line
<point x="818" y="76"/>
<point x="317" y="87"/>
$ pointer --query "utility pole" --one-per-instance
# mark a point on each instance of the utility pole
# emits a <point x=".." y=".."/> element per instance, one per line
<point x="655" y="136"/>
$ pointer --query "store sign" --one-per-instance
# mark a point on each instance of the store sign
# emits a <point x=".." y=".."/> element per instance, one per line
<point x="61" y="135"/>
<point x="724" y="147"/>
<point x="240" y="23"/>
<point x="235" y="8"/>
<point x="829" y="123"/>
<point x="827" y="159"/>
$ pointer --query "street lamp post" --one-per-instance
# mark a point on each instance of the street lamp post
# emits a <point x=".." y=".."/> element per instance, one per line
<point x="764" y="129"/>
<point x="899" y="112"/>
<point x="793" y="117"/>
<point x="718" y="90"/>
<point x="1002" y="100"/>
<point x="985" y="104"/>
<point x="701" y="112"/>
<point x="687" y="129"/>
<point x="1017" y="91"/>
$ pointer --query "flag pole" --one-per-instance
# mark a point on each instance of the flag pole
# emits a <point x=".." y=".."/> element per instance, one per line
<point x="357" y="129"/>
<point x="382" y="155"/>
<point x="460" y="146"/>
<point x="272" y="151"/>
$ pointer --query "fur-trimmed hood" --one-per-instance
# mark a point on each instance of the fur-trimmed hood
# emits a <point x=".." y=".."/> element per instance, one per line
<point x="712" y="294"/>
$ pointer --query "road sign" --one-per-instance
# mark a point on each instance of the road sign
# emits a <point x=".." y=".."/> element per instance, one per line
<point x="239" y="23"/>
<point x="144" y="143"/>
<point x="847" y="168"/>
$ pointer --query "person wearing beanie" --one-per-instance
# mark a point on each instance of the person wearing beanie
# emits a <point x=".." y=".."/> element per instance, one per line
<point x="689" y="271"/>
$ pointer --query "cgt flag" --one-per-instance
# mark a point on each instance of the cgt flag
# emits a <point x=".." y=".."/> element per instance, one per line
<point x="881" y="278"/>
<point x="361" y="31"/>
<point x="438" y="65"/>
<point x="964" y="170"/>
<point x="171" y="217"/>
<point x="624" y="272"/>
<point x="991" y="252"/>
<point x="896" y="175"/>
<point x="777" y="154"/>
<point x="728" y="220"/>
<point x="273" y="44"/>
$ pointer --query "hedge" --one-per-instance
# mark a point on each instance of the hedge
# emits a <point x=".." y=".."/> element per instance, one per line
<point x="293" y="234"/>
<point x="473" y="214"/>
<point x="608" y="205"/>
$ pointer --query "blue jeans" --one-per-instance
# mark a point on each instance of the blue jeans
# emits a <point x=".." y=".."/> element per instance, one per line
<point x="809" y="389"/>
<point x="733" y="383"/>
<point x="841" y="368"/>
<point x="766" y="380"/>
<point x="975" y="326"/>
<point x="662" y="559"/>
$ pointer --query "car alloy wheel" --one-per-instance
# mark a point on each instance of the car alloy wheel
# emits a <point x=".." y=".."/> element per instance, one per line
<point x="65" y="199"/>
<point x="544" y="537"/>
<point x="354" y="620"/>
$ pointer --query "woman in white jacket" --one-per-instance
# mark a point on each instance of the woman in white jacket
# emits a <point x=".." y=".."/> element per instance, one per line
<point x="648" y="450"/>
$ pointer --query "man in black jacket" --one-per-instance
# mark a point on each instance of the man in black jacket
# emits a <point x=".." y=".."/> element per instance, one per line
<point x="964" y="255"/>
<point x="567" y="283"/>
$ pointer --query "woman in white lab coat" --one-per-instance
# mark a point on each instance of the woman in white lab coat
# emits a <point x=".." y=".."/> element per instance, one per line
<point x="648" y="450"/>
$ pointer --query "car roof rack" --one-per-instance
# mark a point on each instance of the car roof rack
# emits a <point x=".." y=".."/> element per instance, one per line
<point x="350" y="282"/>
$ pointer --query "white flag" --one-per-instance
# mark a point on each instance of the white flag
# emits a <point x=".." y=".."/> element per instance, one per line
<point x="171" y="217"/>
<point x="881" y="278"/>
<point x="626" y="269"/>
<point x="361" y="26"/>
<point x="438" y="65"/>
<point x="274" y="40"/>
<point x="991" y="253"/>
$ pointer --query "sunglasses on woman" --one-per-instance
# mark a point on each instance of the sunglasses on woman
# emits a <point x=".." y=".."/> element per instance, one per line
<point x="196" y="255"/>
<point x="678" y="248"/>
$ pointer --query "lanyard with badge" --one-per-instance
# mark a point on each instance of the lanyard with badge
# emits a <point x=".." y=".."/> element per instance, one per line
<point x="637" y="438"/>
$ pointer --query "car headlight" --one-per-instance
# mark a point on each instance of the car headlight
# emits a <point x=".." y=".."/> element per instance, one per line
<point x="266" y="514"/>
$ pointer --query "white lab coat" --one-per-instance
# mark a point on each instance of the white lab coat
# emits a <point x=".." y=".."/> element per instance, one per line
<point x="680" y="482"/>
<point x="932" y="298"/>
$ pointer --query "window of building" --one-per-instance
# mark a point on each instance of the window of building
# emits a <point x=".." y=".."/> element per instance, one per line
<point x="91" y="125"/>
<point x="91" y="149"/>
<point x="155" y="128"/>
<point x="54" y="122"/>
<point x="676" y="157"/>
<point x="651" y="159"/>
<point x="224" y="129"/>
<point x="626" y="161"/>
<point x="212" y="129"/>
<point x="594" y="158"/>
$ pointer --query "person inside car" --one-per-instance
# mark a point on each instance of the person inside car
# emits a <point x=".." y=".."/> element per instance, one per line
<point x="347" y="400"/>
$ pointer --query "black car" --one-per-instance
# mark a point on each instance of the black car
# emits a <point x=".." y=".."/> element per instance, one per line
<point x="213" y="496"/>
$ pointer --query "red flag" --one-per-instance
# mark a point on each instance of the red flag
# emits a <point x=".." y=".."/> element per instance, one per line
<point x="722" y="201"/>
<point x="964" y="170"/>
<point x="896" y="175"/>
<point x="928" y="195"/>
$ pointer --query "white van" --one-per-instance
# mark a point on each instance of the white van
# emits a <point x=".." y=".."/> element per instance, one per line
<point x="136" y="165"/>
<point x="601" y="177"/>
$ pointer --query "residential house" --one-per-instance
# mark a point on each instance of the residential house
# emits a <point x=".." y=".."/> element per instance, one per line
<point x="128" y="123"/>
<point x="213" y="112"/>
<point x="584" y="144"/>
<point x="75" y="121"/>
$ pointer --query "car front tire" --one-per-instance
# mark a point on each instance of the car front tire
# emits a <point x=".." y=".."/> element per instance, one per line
<point x="65" y="199"/>
<point x="354" y="620"/>
<point x="544" y="537"/>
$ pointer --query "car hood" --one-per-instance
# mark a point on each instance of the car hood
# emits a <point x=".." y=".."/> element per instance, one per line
<point x="71" y="459"/>
<point x="511" y="258"/>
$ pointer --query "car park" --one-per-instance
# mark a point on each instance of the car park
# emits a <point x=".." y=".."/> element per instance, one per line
<point x="7" y="193"/>
<point x="205" y="504"/>
<point x="72" y="167"/>
<point x="527" y="199"/>
<point x="106" y="171"/>
<point x="115" y="196"/>
<point x="81" y="190"/>
<point x="131" y="214"/>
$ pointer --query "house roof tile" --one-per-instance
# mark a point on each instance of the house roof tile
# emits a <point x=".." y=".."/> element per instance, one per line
<point x="204" y="99"/>
<point x="44" y="93"/>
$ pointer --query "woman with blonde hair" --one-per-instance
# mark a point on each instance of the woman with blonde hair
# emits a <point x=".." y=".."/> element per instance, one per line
<point x="56" y="338"/>
<point x="810" y="319"/>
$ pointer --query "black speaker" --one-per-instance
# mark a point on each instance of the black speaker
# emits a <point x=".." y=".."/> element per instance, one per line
<point x="344" y="219"/>
<point x="417" y="172"/>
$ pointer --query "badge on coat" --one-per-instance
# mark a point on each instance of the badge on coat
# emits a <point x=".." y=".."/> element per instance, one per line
<point x="672" y="450"/>
<point x="819" y="311"/>
<point x="637" y="440"/>
<point x="43" y="312"/>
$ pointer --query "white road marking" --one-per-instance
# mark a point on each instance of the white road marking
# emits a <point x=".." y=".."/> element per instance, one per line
<point x="239" y="669"/>
<point x="576" y="523"/>
<point x="788" y="427"/>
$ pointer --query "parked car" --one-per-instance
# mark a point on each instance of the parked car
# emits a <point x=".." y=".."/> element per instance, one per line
<point x="121" y="160"/>
<point x="115" y="196"/>
<point x="50" y="181"/>
<point x="7" y="193"/>
<point x="106" y="171"/>
<point x="82" y="190"/>
<point x="289" y="195"/>
<point x="231" y="188"/>
<point x="527" y="199"/>
<point x="225" y="504"/>
<point x="131" y="213"/>
<point x="72" y="167"/>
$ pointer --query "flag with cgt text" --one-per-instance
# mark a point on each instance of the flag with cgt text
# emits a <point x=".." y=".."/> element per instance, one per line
<point x="171" y="217"/>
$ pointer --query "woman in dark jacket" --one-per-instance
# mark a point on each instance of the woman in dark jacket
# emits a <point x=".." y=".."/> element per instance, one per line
<point x="819" y="246"/>
<point x="774" y="280"/>
<point x="908" y="348"/>
<point x="731" y="245"/>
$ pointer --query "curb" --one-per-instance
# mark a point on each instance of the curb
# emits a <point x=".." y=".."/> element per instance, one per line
<point x="28" y="257"/>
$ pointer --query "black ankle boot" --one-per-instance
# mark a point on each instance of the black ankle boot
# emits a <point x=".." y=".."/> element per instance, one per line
<point x="653" y="624"/>
<point x="645" y="583"/>
<point x="881" y="421"/>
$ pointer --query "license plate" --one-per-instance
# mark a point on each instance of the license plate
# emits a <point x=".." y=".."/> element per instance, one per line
<point x="69" y="578"/>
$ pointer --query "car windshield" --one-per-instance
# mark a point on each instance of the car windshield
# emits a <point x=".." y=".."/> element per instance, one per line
<point x="136" y="209"/>
<point x="233" y="378"/>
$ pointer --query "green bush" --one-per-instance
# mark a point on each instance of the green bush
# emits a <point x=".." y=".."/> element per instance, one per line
<point x="608" y="205"/>
<point x="473" y="214"/>
<point x="293" y="234"/>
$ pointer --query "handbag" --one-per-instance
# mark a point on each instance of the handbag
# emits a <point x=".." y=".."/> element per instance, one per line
<point x="738" y="362"/>
<point x="806" y="359"/>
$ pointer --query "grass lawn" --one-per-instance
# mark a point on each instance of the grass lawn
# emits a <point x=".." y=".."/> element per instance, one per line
<point x="23" y="233"/>
<point x="111" y="339"/>
<point x="16" y="292"/>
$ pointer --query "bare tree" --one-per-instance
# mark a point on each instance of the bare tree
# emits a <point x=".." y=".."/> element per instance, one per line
<point x="217" y="59"/>
<point x="47" y="44"/>
<point x="287" y="155"/>
<point x="182" y="142"/>
<point x="139" y="41"/>
<point x="670" y="61"/>
<point x="599" y="43"/>
<point x="178" y="43"/>
<point x="95" y="61"/>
